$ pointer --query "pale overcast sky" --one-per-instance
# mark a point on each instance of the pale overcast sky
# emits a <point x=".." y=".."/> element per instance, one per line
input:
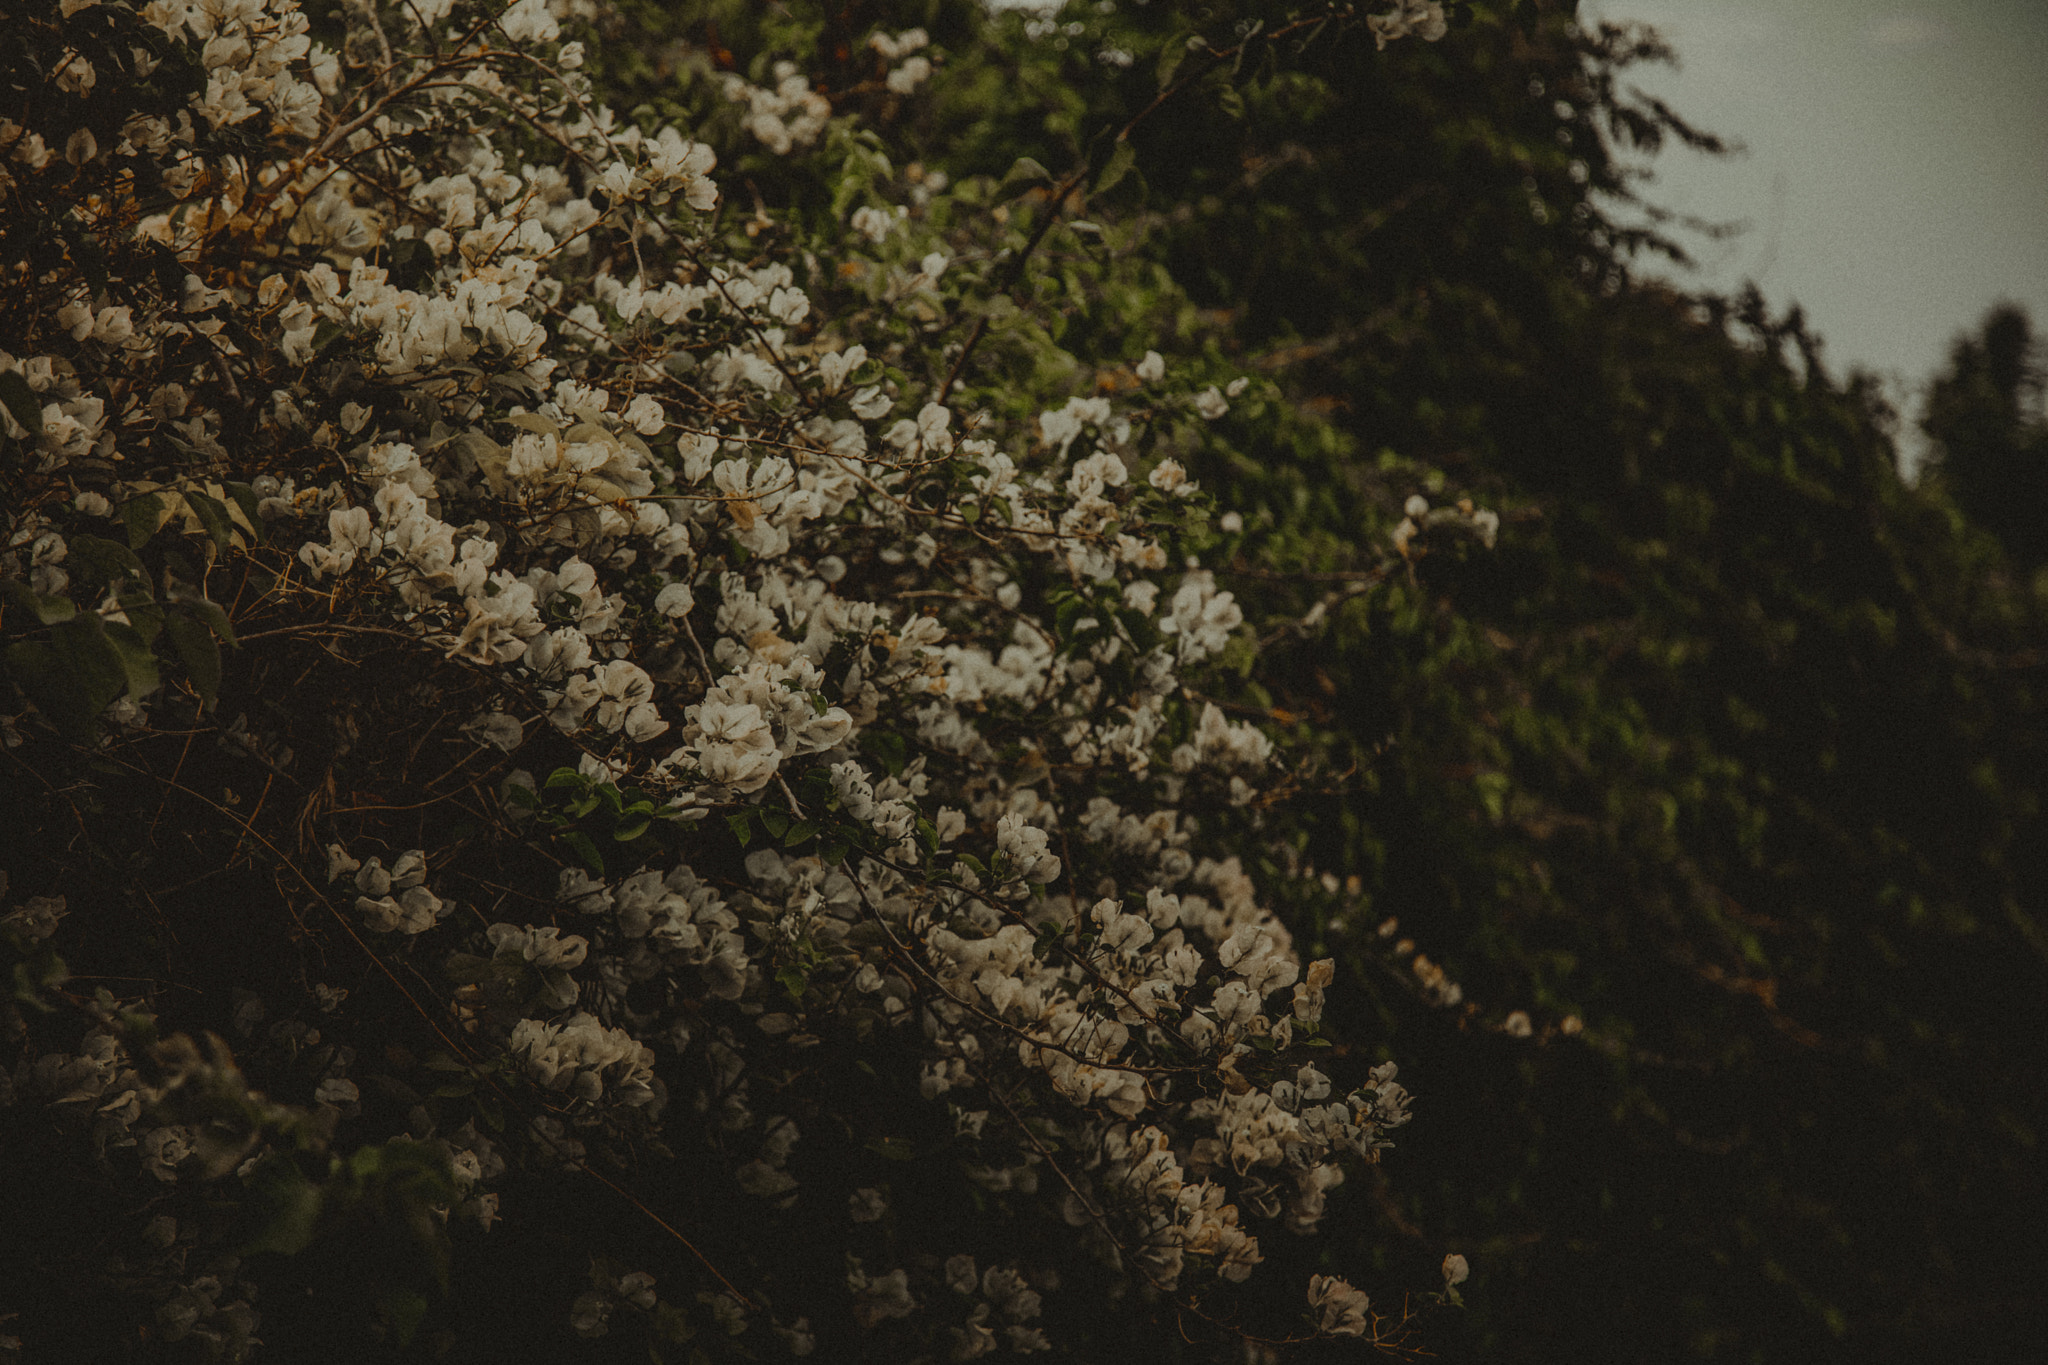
<point x="1896" y="177"/>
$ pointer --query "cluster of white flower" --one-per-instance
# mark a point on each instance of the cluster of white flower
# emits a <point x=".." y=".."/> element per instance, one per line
<point x="909" y="69"/>
<point x="752" y="720"/>
<point x="249" y="48"/>
<point x="579" y="1055"/>
<point x="1183" y="1218"/>
<point x="412" y="910"/>
<point x="785" y="116"/>
<point x="1200" y="618"/>
<point x="1423" y="19"/>
<point x="1001" y="1295"/>
<point x="98" y="1087"/>
<point x="876" y="224"/>
<point x="894" y="819"/>
<point x="74" y="425"/>
<point x="1341" y="1309"/>
<point x="591" y="1314"/>
<point x="1218" y="742"/>
<point x="1418" y="516"/>
<point x="669" y="167"/>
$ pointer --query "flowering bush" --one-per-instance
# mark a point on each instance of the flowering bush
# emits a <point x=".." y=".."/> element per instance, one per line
<point x="732" y="780"/>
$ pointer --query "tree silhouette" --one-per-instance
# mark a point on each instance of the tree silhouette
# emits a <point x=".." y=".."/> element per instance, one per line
<point x="1991" y="442"/>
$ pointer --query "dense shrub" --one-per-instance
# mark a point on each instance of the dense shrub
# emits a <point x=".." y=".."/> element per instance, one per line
<point x="1722" y="777"/>
<point x="585" y="764"/>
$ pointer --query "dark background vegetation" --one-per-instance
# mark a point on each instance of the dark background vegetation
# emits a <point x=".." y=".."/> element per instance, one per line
<point x="1732" y="751"/>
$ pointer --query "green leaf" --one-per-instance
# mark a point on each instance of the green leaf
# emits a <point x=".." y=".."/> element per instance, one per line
<point x="72" y="677"/>
<point x="1120" y="162"/>
<point x="143" y="612"/>
<point x="742" y="829"/>
<point x="1171" y="55"/>
<point x="39" y="971"/>
<point x="21" y="402"/>
<point x="325" y="334"/>
<point x="103" y="561"/>
<point x="137" y="663"/>
<point x="199" y="652"/>
<point x="1065" y="615"/>
<point x="213" y="516"/>
<point x="487" y="455"/>
<point x="1022" y="175"/>
<point x="48" y="610"/>
<point x="799" y="832"/>
<point x="284" y="1205"/>
<point x="888" y="748"/>
<point x="626" y="834"/>
<point x="792" y="982"/>
<point x="564" y="777"/>
<point x="776" y="822"/>
<point x="143" y="517"/>
<point x="587" y="851"/>
<point x="209" y="612"/>
<point x="1493" y="790"/>
<point x="245" y="501"/>
<point x="1240" y="653"/>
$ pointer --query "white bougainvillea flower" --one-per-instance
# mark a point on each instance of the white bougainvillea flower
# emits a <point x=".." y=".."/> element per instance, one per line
<point x="542" y="440"/>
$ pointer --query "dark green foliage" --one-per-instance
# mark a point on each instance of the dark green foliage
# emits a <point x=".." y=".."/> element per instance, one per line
<point x="1731" y="753"/>
<point x="1733" y="750"/>
<point x="1991" y="436"/>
